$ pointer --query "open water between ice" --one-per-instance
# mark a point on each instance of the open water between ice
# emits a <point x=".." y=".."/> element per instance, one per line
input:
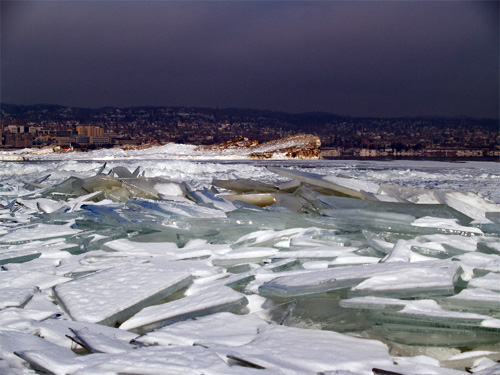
<point x="249" y="267"/>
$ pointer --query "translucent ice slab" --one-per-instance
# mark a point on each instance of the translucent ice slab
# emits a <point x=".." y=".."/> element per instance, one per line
<point x="478" y="300"/>
<point x="407" y="194"/>
<point x="260" y="200"/>
<point x="204" y="303"/>
<point x="305" y="283"/>
<point x="244" y="185"/>
<point x="118" y="292"/>
<point x="424" y="322"/>
<point x="413" y="209"/>
<point x="210" y="199"/>
<point x="416" y="282"/>
<point x="180" y="209"/>
<point x="350" y="187"/>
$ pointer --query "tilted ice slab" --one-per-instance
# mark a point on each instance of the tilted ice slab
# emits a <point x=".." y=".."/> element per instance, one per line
<point x="115" y="294"/>
<point x="441" y="276"/>
<point x="185" y="209"/>
<point x="350" y="187"/>
<point x="222" y="328"/>
<point x="57" y="331"/>
<point x="13" y="341"/>
<point x="204" y="303"/>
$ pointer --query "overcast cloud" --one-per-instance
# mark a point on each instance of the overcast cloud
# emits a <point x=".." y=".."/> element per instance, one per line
<point x="370" y="58"/>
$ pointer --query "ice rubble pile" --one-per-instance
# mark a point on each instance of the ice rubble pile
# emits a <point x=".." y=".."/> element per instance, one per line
<point x="119" y="273"/>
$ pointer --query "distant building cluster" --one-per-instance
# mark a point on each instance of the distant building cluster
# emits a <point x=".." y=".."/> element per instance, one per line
<point x="341" y="136"/>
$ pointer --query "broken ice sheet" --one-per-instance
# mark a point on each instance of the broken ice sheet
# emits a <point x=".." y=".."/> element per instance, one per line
<point x="490" y="281"/>
<point x="56" y="330"/>
<point x="290" y="350"/>
<point x="113" y="295"/>
<point x="446" y="226"/>
<point x="221" y="328"/>
<point x="243" y="255"/>
<point x="206" y="302"/>
<point x="158" y="360"/>
<point x="424" y="322"/>
<point x="321" y="281"/>
<point x="16" y="297"/>
<point x="349" y="187"/>
<point x="482" y="301"/>
<point x="37" y="232"/>
<point x="13" y="341"/>
<point x="411" y="282"/>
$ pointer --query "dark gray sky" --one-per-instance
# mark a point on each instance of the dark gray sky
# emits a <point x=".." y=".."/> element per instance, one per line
<point x="366" y="58"/>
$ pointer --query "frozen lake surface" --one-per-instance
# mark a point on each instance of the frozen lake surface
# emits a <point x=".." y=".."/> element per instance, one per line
<point x="137" y="264"/>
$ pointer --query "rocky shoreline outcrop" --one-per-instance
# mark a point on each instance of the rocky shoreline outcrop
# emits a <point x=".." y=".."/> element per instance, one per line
<point x="299" y="146"/>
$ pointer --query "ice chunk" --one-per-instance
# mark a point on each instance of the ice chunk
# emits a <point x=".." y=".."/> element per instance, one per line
<point x="222" y="328"/>
<point x="305" y="283"/>
<point x="121" y="172"/>
<point x="490" y="281"/>
<point x="208" y="198"/>
<point x="413" y="209"/>
<point x="159" y="360"/>
<point x="153" y="187"/>
<point x="38" y="232"/>
<point x="349" y="187"/>
<point x="30" y="279"/>
<point x="260" y="200"/>
<point x="378" y="242"/>
<point x="446" y="226"/>
<point x="99" y="342"/>
<point x="407" y="194"/>
<point x="180" y="209"/>
<point x="16" y="297"/>
<point x="112" y="295"/>
<point x="414" y="282"/>
<point x="12" y="342"/>
<point x="290" y="350"/>
<point x="244" y="185"/>
<point x="359" y="219"/>
<point x="474" y="299"/>
<point x="456" y="201"/>
<point x="402" y="252"/>
<point x="57" y="330"/>
<point x="204" y="303"/>
<point x="424" y="322"/>
<point x="244" y="254"/>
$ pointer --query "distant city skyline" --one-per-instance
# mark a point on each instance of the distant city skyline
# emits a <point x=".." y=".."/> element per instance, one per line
<point x="360" y="58"/>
